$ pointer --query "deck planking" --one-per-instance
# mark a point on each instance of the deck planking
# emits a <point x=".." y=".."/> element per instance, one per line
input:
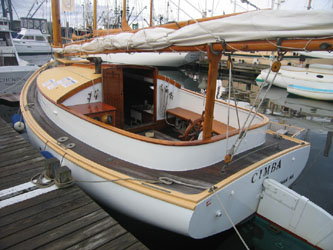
<point x="60" y="219"/>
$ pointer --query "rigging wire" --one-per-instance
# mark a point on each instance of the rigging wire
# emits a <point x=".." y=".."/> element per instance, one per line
<point x="229" y="97"/>
<point x="244" y="128"/>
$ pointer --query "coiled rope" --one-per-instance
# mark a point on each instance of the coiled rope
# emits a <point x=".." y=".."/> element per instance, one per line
<point x="42" y="180"/>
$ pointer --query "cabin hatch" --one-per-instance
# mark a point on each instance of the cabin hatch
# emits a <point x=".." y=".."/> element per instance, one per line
<point x="131" y="90"/>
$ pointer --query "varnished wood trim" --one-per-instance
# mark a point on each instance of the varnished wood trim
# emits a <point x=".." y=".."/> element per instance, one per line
<point x="168" y="80"/>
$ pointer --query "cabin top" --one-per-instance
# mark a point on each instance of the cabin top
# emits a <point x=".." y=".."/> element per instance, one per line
<point x="57" y="82"/>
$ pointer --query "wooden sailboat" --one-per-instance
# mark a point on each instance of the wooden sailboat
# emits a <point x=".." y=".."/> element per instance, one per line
<point x="140" y="143"/>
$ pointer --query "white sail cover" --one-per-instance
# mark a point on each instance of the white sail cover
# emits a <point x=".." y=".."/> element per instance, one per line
<point x="256" y="25"/>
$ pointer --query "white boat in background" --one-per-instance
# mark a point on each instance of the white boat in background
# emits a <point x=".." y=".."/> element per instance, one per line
<point x="13" y="71"/>
<point x="314" y="82"/>
<point x="32" y="42"/>
<point x="318" y="54"/>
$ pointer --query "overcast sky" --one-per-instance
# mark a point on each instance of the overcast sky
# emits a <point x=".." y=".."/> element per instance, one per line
<point x="189" y="9"/>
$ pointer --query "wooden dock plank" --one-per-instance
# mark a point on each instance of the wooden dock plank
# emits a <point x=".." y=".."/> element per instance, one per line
<point x="12" y="145"/>
<point x="87" y="230"/>
<point x="22" y="166"/>
<point x="7" y="211"/>
<point x="123" y="242"/>
<point x="60" y="219"/>
<point x="59" y="233"/>
<point x="48" y="225"/>
<point x="137" y="246"/>
<point x="100" y="239"/>
<point x="33" y="215"/>
<point x="19" y="178"/>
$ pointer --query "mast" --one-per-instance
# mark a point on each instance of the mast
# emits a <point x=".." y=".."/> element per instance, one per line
<point x="56" y="24"/>
<point x="124" y="24"/>
<point x="95" y="16"/>
<point x="309" y="5"/>
<point x="151" y="14"/>
<point x="214" y="58"/>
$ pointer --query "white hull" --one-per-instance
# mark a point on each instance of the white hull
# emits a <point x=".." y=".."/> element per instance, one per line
<point x="315" y="83"/>
<point x="319" y="93"/>
<point x="33" y="48"/>
<point x="240" y="198"/>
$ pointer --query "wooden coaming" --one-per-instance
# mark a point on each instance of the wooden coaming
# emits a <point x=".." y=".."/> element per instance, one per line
<point x="100" y="164"/>
<point x="56" y="99"/>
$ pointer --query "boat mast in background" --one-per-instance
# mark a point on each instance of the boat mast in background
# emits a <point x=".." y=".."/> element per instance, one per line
<point x="124" y="24"/>
<point x="151" y="14"/>
<point x="95" y="16"/>
<point x="56" y="25"/>
<point x="7" y="10"/>
<point x="309" y="5"/>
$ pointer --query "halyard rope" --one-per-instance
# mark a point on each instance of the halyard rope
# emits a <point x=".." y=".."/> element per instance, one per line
<point x="230" y="220"/>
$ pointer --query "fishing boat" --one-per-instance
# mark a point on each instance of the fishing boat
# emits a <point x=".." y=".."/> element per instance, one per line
<point x="13" y="71"/>
<point x="142" y="144"/>
<point x="315" y="82"/>
<point x="32" y="42"/>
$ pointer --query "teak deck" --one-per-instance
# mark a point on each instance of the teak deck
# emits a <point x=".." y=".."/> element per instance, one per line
<point x="206" y="177"/>
<point x="61" y="219"/>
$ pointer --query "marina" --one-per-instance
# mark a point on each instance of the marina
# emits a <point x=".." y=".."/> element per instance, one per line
<point x="177" y="131"/>
<point x="52" y="218"/>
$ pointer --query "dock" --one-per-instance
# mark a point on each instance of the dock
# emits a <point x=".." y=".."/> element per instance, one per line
<point x="49" y="218"/>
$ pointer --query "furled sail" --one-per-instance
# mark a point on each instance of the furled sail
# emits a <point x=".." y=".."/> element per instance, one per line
<point x="256" y="25"/>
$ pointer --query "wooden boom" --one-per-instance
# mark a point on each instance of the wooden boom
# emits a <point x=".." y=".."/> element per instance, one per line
<point x="311" y="44"/>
